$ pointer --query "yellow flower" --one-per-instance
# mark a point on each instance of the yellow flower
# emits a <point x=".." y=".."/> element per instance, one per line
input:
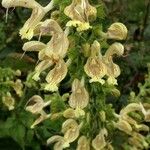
<point x="56" y="75"/>
<point x="38" y="12"/>
<point x="94" y="67"/>
<point x="113" y="70"/>
<point x="18" y="87"/>
<point x="9" y="101"/>
<point x="59" y="43"/>
<point x="70" y="128"/>
<point x="43" y="65"/>
<point x="78" y="100"/>
<point x="47" y="27"/>
<point x="36" y="104"/>
<point x="40" y="119"/>
<point x="80" y="12"/>
<point x="117" y="31"/>
<point x="123" y="126"/>
<point x="27" y="31"/>
<point x="99" y="142"/>
<point x="138" y="140"/>
<point x="83" y="143"/>
<point x="79" y="97"/>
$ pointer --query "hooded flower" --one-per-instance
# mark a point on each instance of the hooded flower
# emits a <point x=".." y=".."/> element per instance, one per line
<point x="80" y="12"/>
<point x="83" y="143"/>
<point x="59" y="43"/>
<point x="113" y="70"/>
<point x="99" y="142"/>
<point x="94" y="67"/>
<point x="70" y="129"/>
<point x="56" y="75"/>
<point x="27" y="31"/>
<point x="36" y="104"/>
<point x="38" y="12"/>
<point x="124" y="126"/>
<point x="9" y="101"/>
<point x="117" y="31"/>
<point x="78" y="99"/>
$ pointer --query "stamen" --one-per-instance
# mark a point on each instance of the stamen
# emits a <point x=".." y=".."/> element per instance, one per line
<point x="22" y="55"/>
<point x="6" y="15"/>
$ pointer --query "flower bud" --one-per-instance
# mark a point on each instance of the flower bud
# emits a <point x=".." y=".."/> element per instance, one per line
<point x="99" y="142"/>
<point x="117" y="31"/>
<point x="80" y="11"/>
<point x="124" y="126"/>
<point x="36" y="104"/>
<point x="9" y="101"/>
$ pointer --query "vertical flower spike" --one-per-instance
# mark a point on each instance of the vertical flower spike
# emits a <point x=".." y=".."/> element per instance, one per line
<point x="83" y="143"/>
<point x="36" y="104"/>
<point x="33" y="46"/>
<point x="9" y="101"/>
<point x="113" y="70"/>
<point x="79" y="98"/>
<point x="94" y="67"/>
<point x="117" y="31"/>
<point x="59" y="43"/>
<point x="80" y="12"/>
<point x="56" y="75"/>
<point x="99" y="142"/>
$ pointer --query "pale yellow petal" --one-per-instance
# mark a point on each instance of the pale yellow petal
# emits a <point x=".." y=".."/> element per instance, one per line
<point x="99" y="142"/>
<point x="117" y="31"/>
<point x="79" y="97"/>
<point x="56" y="75"/>
<point x="124" y="126"/>
<point x="95" y="69"/>
<point x="33" y="46"/>
<point x="43" y="65"/>
<point x="83" y="143"/>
